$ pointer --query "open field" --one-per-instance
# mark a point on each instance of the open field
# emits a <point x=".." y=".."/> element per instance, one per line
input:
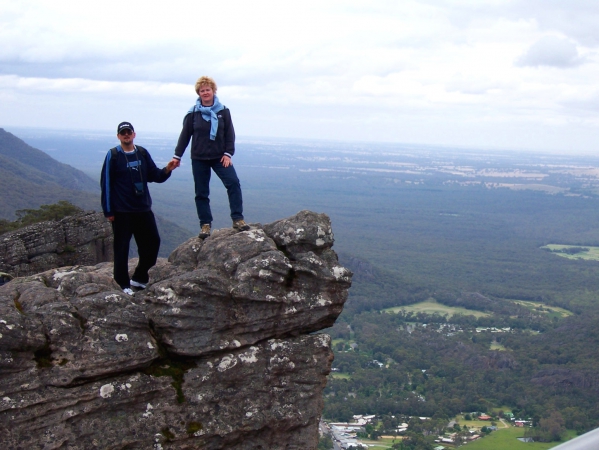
<point x="431" y="307"/>
<point x="591" y="254"/>
<point x="541" y="307"/>
<point x="382" y="443"/>
<point x="496" y="346"/>
<point x="503" y="408"/>
<point x="533" y="187"/>
<point x="502" y="439"/>
<point x="341" y="376"/>
<point x="506" y="438"/>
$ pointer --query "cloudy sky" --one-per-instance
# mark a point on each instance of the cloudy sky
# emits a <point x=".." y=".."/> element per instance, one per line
<point x="487" y="73"/>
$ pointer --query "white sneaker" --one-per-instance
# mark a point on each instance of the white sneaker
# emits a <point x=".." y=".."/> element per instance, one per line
<point x="128" y="291"/>
<point x="139" y="285"/>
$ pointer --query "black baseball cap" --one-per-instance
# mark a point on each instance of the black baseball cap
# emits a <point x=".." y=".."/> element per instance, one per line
<point x="124" y="126"/>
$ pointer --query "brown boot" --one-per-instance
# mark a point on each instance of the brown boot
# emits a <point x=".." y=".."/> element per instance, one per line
<point x="205" y="231"/>
<point x="240" y="225"/>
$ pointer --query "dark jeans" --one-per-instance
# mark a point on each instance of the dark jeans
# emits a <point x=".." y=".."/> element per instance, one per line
<point x="142" y="226"/>
<point x="201" y="178"/>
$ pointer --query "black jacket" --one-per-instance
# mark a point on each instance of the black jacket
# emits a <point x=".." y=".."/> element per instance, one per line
<point x="201" y="145"/>
<point x="119" y="175"/>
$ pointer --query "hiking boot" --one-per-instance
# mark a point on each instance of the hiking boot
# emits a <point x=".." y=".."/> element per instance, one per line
<point x="205" y="231"/>
<point x="139" y="285"/>
<point x="240" y="225"/>
<point x="128" y="291"/>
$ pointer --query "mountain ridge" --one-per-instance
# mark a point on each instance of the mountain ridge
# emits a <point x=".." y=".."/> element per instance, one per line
<point x="30" y="178"/>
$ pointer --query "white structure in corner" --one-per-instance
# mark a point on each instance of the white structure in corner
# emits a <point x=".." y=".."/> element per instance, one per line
<point x="362" y="420"/>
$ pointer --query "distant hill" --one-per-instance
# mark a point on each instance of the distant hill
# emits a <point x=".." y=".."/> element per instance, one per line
<point x="30" y="178"/>
<point x="36" y="163"/>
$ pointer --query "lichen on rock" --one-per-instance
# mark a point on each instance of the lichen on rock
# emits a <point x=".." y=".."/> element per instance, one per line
<point x="218" y="353"/>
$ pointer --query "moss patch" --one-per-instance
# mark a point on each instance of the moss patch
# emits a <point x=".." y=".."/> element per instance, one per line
<point x="19" y="306"/>
<point x="176" y="369"/>
<point x="168" y="434"/>
<point x="194" y="427"/>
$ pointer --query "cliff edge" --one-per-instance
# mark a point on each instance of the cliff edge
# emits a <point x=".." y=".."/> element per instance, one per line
<point x="83" y="239"/>
<point x="216" y="354"/>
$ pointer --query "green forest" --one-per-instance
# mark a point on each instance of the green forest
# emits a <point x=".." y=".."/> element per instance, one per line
<point x="482" y="251"/>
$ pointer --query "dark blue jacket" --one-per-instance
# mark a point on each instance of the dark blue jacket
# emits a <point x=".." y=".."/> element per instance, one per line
<point x="201" y="145"/>
<point x="118" y="178"/>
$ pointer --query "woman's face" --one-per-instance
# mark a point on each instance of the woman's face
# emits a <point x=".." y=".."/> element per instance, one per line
<point x="206" y="95"/>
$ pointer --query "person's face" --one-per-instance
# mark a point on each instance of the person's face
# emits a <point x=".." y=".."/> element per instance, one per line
<point x="126" y="136"/>
<point x="206" y="95"/>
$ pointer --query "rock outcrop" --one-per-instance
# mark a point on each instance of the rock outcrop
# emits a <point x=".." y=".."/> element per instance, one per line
<point x="563" y="379"/>
<point x="217" y="353"/>
<point x="81" y="239"/>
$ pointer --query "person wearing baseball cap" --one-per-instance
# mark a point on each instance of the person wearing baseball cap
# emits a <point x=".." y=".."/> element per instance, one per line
<point x="124" y="126"/>
<point x="126" y="202"/>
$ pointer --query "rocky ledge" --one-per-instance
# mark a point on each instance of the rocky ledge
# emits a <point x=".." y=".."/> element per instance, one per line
<point x="218" y="353"/>
<point x="84" y="239"/>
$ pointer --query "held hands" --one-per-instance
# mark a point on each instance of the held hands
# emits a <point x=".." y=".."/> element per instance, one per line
<point x="172" y="165"/>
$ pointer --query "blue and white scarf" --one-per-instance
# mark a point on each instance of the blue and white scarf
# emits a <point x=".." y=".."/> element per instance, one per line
<point x="209" y="114"/>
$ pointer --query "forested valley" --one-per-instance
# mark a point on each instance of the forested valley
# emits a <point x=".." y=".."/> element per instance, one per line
<point x="525" y="335"/>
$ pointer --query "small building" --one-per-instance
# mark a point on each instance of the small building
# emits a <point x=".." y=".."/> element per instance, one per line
<point x="349" y="443"/>
<point x="484" y="417"/>
<point x="363" y="420"/>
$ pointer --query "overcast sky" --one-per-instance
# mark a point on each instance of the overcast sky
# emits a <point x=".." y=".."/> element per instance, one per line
<point x="498" y="73"/>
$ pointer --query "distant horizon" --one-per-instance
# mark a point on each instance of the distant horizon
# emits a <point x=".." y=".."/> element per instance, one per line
<point x="507" y="75"/>
<point x="283" y="139"/>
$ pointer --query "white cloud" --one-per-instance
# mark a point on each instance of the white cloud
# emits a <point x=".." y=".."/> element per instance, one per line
<point x="358" y="69"/>
<point x="41" y="86"/>
<point x="552" y="51"/>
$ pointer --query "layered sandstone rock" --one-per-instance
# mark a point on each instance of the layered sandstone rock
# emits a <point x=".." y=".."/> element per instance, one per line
<point x="218" y="353"/>
<point x="82" y="239"/>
